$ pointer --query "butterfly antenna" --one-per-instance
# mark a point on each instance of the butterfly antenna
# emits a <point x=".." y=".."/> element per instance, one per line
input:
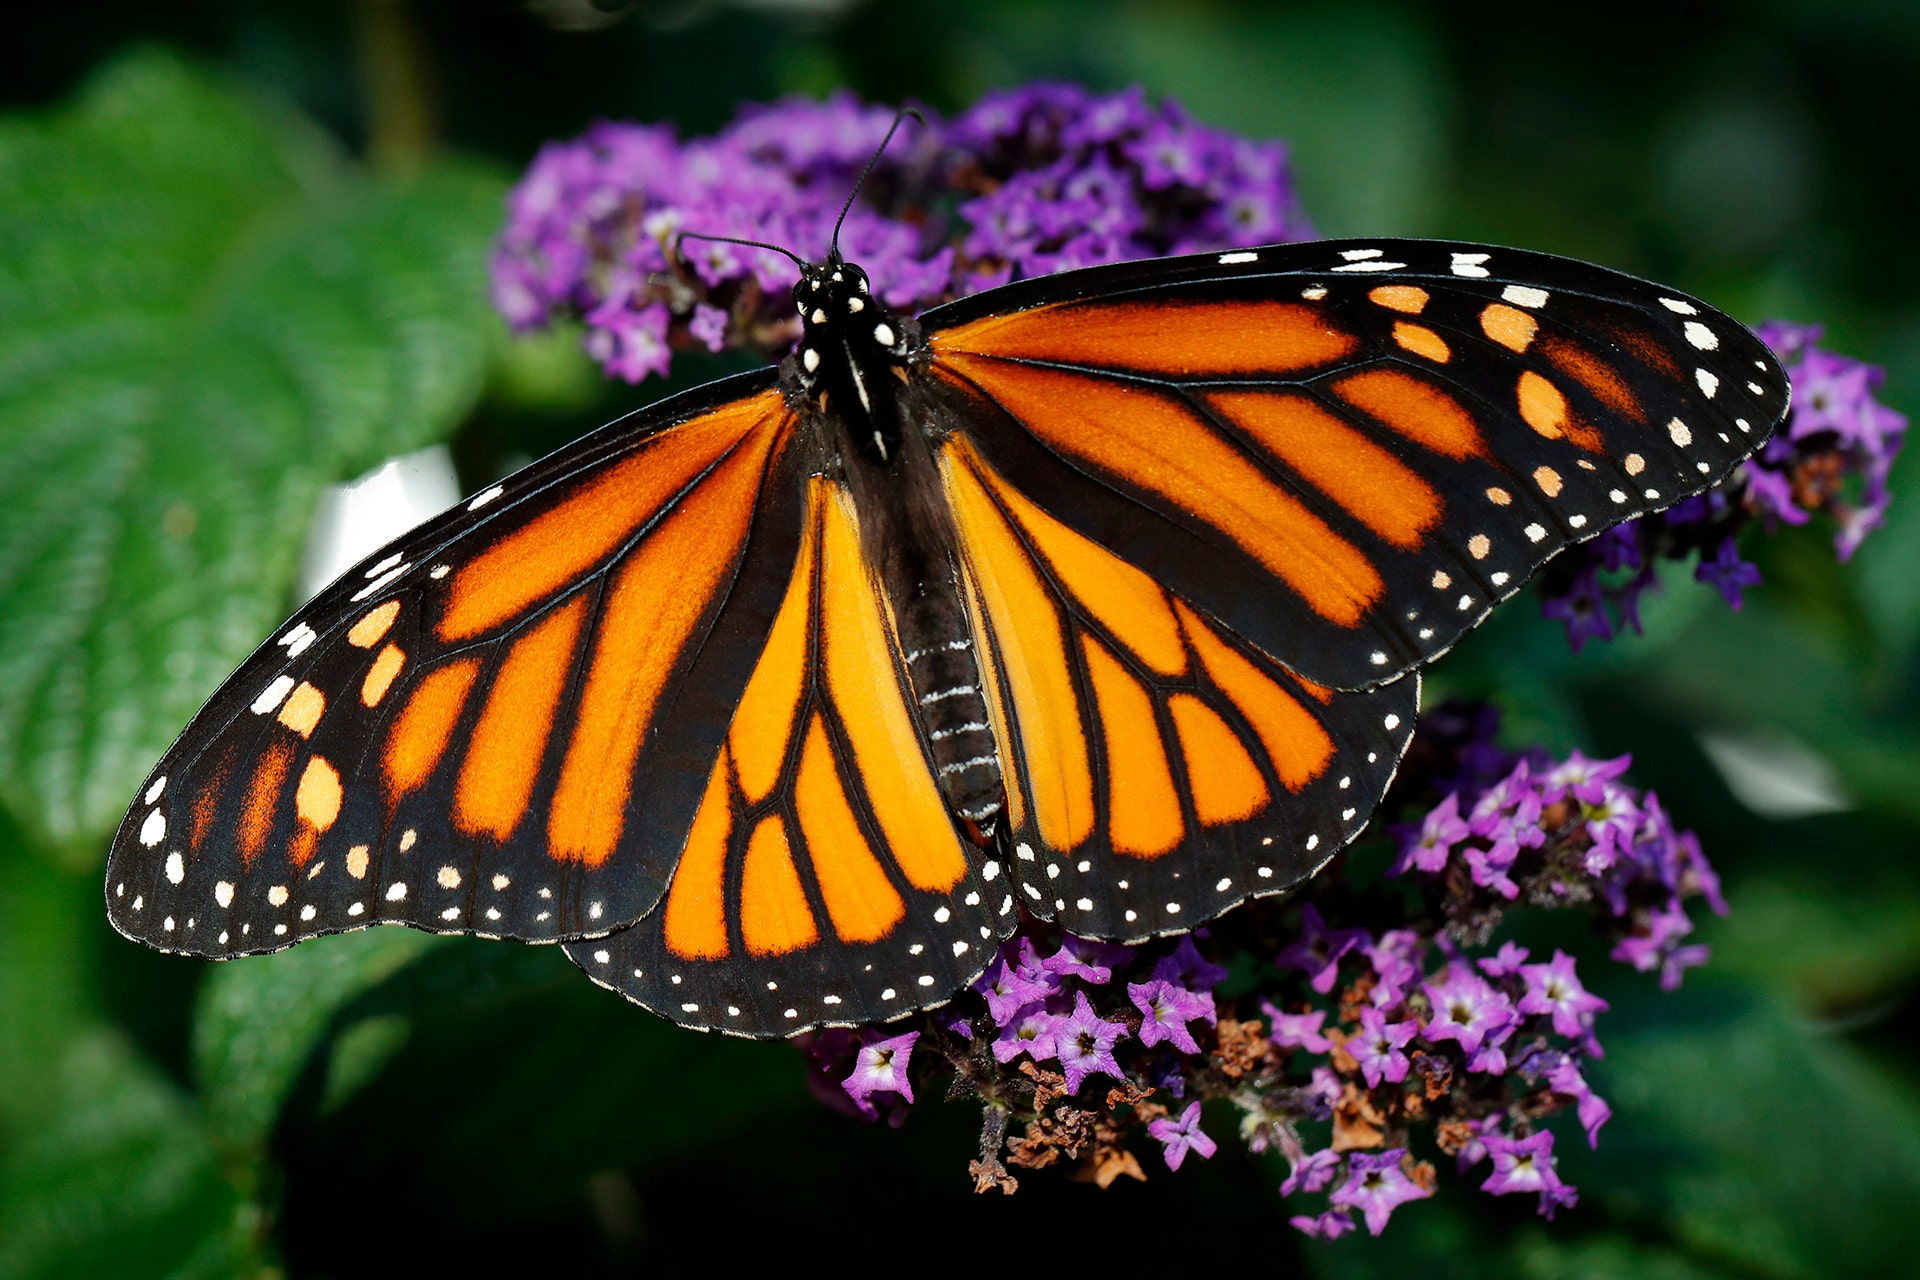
<point x="751" y="244"/>
<point x="864" y="173"/>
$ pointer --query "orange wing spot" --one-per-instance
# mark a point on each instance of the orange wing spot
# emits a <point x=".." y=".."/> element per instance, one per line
<point x="1144" y="817"/>
<point x="420" y="732"/>
<point x="862" y="671"/>
<point x="1226" y="783"/>
<point x="695" y="922"/>
<point x="1197" y="339"/>
<point x="560" y="546"/>
<point x="763" y="725"/>
<point x="1151" y="442"/>
<point x="1296" y="742"/>
<point x="1509" y="326"/>
<point x="1606" y="385"/>
<point x="655" y="603"/>
<point x="301" y="711"/>
<point x="510" y="740"/>
<point x="1647" y="349"/>
<point x="263" y="797"/>
<point x="1499" y="497"/>
<point x="1376" y="488"/>
<point x="774" y="915"/>
<point x="1543" y="407"/>
<point x="861" y="901"/>
<point x="1033" y="658"/>
<point x="373" y="624"/>
<point x="1422" y="341"/>
<point x="1549" y="481"/>
<point x="381" y="675"/>
<point x="1409" y="299"/>
<point x="357" y="861"/>
<point x="1126" y="601"/>
<point x="1417" y="410"/>
<point x="317" y="798"/>
<point x="206" y="803"/>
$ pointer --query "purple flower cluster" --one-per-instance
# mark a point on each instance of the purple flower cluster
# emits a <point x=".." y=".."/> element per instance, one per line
<point x="1026" y="182"/>
<point x="1833" y="456"/>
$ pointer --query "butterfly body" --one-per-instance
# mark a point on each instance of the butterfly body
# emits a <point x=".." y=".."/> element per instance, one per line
<point x="1097" y="598"/>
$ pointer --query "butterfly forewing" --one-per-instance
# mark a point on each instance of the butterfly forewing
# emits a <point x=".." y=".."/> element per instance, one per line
<point x="496" y="724"/>
<point x="824" y="880"/>
<point x="1348" y="451"/>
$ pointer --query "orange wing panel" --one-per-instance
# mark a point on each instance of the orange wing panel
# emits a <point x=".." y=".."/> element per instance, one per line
<point x="1150" y="441"/>
<point x="763" y="722"/>
<point x="1417" y="410"/>
<point x="774" y="916"/>
<point x="1144" y="816"/>
<point x="420" y="732"/>
<point x="861" y="902"/>
<point x="263" y="796"/>
<point x="1593" y="373"/>
<point x="1376" y="488"/>
<point x="1227" y="786"/>
<point x="859" y="662"/>
<point x="695" y="921"/>
<point x="1183" y="338"/>
<point x="1295" y="740"/>
<point x="496" y="780"/>
<point x="657" y="599"/>
<point x="557" y="547"/>
<point x="1034" y="652"/>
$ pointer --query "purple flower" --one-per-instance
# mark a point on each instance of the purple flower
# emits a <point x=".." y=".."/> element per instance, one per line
<point x="1177" y="1137"/>
<point x="1489" y="868"/>
<point x="1658" y="946"/>
<point x="1522" y="1165"/>
<point x="881" y="1067"/>
<point x="1728" y="572"/>
<point x="1010" y="985"/>
<point x="1297" y="1030"/>
<point x="1167" y="1010"/>
<point x="1592" y="1109"/>
<point x="1029" y="1031"/>
<point x="1376" y="1185"/>
<point x="1465" y="1009"/>
<point x="1312" y="1173"/>
<point x="1086" y="959"/>
<point x="1582" y="778"/>
<point x="1553" y="989"/>
<point x="1581" y="605"/>
<point x="1378" y="1046"/>
<point x="1186" y="967"/>
<point x="1427" y="846"/>
<point x="1084" y="1043"/>
<point x="1330" y="1225"/>
<point x="1396" y="961"/>
<point x="1318" y="949"/>
<point x="1505" y="962"/>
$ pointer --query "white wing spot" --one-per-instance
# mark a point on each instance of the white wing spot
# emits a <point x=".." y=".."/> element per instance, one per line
<point x="481" y="500"/>
<point x="1377" y="658"/>
<point x="1313" y="842"/>
<point x="1682" y="434"/>
<point x="1578" y="521"/>
<point x="1356" y="255"/>
<point x="1314" y="292"/>
<point x="883" y="334"/>
<point x="383" y="566"/>
<point x="154" y="829"/>
<point x="990" y="871"/>
<point x="493" y="913"/>
<point x="1224" y="885"/>
<point x="1499" y="579"/>
<point x="309" y="911"/>
<point x="298" y="639"/>
<point x="1468" y="264"/>
<point x="1131" y="917"/>
<point x="810" y="359"/>
<point x="1392" y="722"/>
<point x="1534" y="532"/>
<point x="223" y="893"/>
<point x="1265" y="873"/>
<point x="1756" y="388"/>
<point x="1618" y="495"/>
<point x="277" y="896"/>
<point x="500" y="882"/>
<point x="1173" y="908"/>
<point x="438" y="572"/>
<point x="271" y="696"/>
<point x="1466" y="603"/>
<point x="1680" y="306"/>
<point x="1701" y="336"/>
<point x="1708" y="382"/>
<point x="449" y="878"/>
<point x="959" y="948"/>
<point x="397" y="891"/>
<point x="1025" y="851"/>
<point x="1653" y="495"/>
<point x="942" y="916"/>
<point x="356" y="908"/>
<point x="153" y="792"/>
<point x="1236" y="259"/>
<point x="1372" y="264"/>
<point x="1521" y="295"/>
<point x="381" y="582"/>
<point x="176" y="868"/>
<point x="888" y="994"/>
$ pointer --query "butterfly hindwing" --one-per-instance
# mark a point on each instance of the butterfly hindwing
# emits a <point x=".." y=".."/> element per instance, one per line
<point x="1160" y="768"/>
<point x="824" y="880"/>
<point x="496" y="724"/>
<point x="1350" y="451"/>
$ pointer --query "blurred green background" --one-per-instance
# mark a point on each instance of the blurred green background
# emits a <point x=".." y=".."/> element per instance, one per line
<point x="242" y="256"/>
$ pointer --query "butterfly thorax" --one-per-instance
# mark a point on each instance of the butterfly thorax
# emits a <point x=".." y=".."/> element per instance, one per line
<point x="852" y="377"/>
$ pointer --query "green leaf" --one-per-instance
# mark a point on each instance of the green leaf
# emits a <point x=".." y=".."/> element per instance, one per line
<point x="204" y="318"/>
<point x="105" y="1168"/>
<point x="261" y="1019"/>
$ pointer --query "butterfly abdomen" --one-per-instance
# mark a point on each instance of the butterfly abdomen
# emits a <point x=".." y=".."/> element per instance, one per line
<point x="952" y="706"/>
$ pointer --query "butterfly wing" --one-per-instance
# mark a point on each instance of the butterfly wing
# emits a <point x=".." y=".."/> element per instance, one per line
<point x="500" y="724"/>
<point x="824" y="881"/>
<point x="1347" y="452"/>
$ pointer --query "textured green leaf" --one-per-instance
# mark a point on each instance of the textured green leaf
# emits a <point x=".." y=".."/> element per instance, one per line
<point x="204" y="318"/>
<point x="259" y="1021"/>
<point x="105" y="1169"/>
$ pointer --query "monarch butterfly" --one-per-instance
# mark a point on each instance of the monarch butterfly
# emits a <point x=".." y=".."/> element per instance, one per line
<point x="1099" y="597"/>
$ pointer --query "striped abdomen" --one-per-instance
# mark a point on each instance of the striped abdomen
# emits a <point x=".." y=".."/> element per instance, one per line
<point x="952" y="706"/>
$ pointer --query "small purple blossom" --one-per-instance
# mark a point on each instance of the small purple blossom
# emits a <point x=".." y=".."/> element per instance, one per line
<point x="1318" y="949"/>
<point x="1376" y="1185"/>
<point x="1427" y="846"/>
<point x="881" y="1067"/>
<point x="1177" y="1137"/>
<point x="1313" y="1172"/>
<point x="1166" y="1010"/>
<point x="1010" y="986"/>
<point x="1728" y="573"/>
<point x="1553" y="988"/>
<point x="1504" y="962"/>
<point x="1297" y="1030"/>
<point x="1465" y="1009"/>
<point x="1084" y="1043"/>
<point x="1029" y="1031"/>
<point x="1086" y="959"/>
<point x="1330" y="1225"/>
<point x="1522" y="1165"/>
<point x="1378" y="1046"/>
<point x="1592" y="1109"/>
